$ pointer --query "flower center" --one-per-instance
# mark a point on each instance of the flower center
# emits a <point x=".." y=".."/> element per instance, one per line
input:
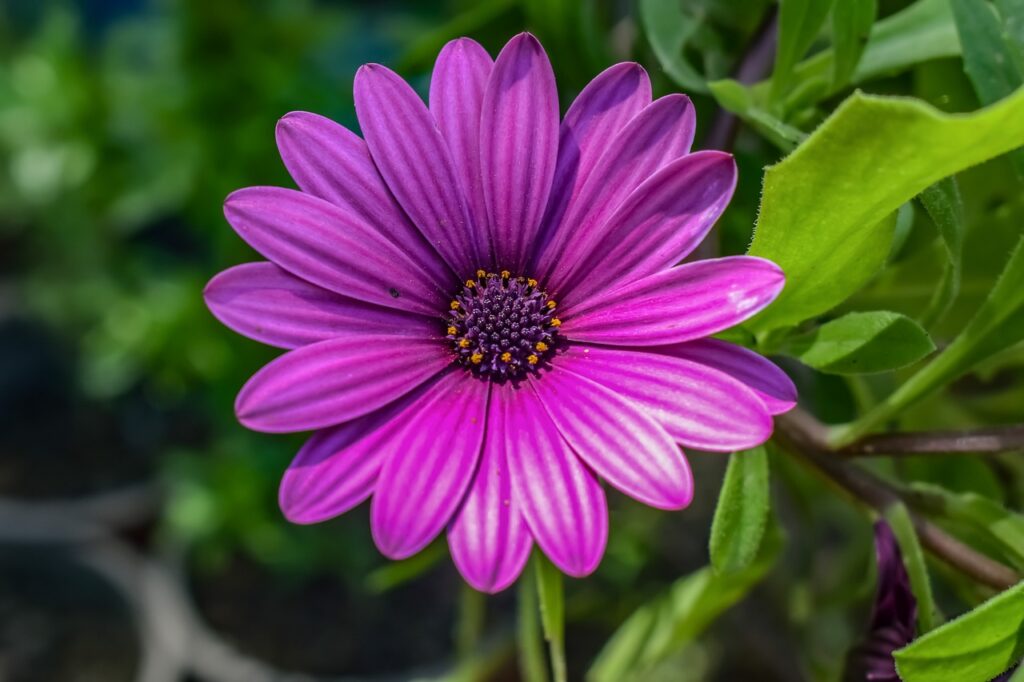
<point x="502" y="327"/>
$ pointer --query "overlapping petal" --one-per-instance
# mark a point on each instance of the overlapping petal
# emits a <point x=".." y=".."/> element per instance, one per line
<point x="489" y="540"/>
<point x="330" y="247"/>
<point x="518" y="147"/>
<point x="457" y="88"/>
<point x="333" y="381"/>
<point x="661" y="133"/>
<point x="336" y="469"/>
<point x="596" y="116"/>
<point x="429" y="463"/>
<point x="771" y="384"/>
<point x="265" y="303"/>
<point x="329" y="161"/>
<point x="657" y="226"/>
<point x="698" y="406"/>
<point x="415" y="162"/>
<point x="688" y="302"/>
<point x="625" y="446"/>
<point x="564" y="505"/>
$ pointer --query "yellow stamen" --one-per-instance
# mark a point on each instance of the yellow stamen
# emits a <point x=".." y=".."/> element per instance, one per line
<point x="480" y="273"/>
<point x="476" y="358"/>
<point x="454" y="305"/>
<point x="470" y="284"/>
<point x="555" y="322"/>
<point x="505" y="274"/>
<point x="452" y="331"/>
<point x="532" y="359"/>
<point x="463" y="343"/>
<point x="506" y="357"/>
<point x="541" y="346"/>
<point x="531" y="282"/>
<point x="551" y="305"/>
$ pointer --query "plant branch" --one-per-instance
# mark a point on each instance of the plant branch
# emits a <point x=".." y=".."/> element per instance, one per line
<point x="995" y="439"/>
<point x="806" y="437"/>
<point x="755" y="65"/>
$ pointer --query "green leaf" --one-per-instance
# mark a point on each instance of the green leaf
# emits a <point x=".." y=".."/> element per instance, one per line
<point x="997" y="325"/>
<point x="990" y="62"/>
<point x="945" y="207"/>
<point x="550" y="591"/>
<point x="737" y="98"/>
<point x="1012" y="12"/>
<point x="800" y="22"/>
<point x="851" y="29"/>
<point x="669" y="622"/>
<point x="919" y="33"/>
<point x="981" y="515"/>
<point x="975" y="647"/>
<point x="742" y="512"/>
<point x="669" y="26"/>
<point x="827" y="210"/>
<point x="928" y="615"/>
<point x="862" y="343"/>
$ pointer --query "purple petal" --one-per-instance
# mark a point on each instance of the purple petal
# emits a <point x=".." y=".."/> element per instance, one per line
<point x="337" y="380"/>
<point x="429" y="464"/>
<point x="698" y="406"/>
<point x="625" y="446"/>
<point x="688" y="302"/>
<point x="331" y="162"/>
<point x="330" y="247"/>
<point x="562" y="501"/>
<point x="657" y="226"/>
<point x="771" y="384"/>
<point x="265" y="303"/>
<point x="456" y="97"/>
<point x="337" y="468"/>
<point x="489" y="540"/>
<point x="600" y="111"/>
<point x="415" y="162"/>
<point x="661" y="133"/>
<point x="518" y="147"/>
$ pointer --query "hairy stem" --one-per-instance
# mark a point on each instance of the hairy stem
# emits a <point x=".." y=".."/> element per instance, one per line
<point x="994" y="439"/>
<point x="806" y="437"/>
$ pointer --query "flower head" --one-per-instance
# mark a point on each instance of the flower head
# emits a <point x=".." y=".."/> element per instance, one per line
<point x="483" y="311"/>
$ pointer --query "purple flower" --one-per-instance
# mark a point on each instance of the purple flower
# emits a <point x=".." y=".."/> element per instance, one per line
<point x="893" y="620"/>
<point x="484" y="315"/>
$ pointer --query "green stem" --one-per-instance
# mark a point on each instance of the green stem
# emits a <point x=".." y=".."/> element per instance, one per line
<point x="532" y="666"/>
<point x="550" y="591"/>
<point x="470" y="623"/>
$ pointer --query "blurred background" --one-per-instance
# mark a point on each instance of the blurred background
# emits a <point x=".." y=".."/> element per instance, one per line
<point x="139" y="531"/>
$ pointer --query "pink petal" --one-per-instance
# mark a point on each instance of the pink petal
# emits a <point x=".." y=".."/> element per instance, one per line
<point x="661" y="133"/>
<point x="600" y="111"/>
<point x="265" y="303"/>
<point x="688" y="302"/>
<point x="698" y="406"/>
<point x="489" y="540"/>
<point x="657" y="226"/>
<point x="325" y="245"/>
<point x="761" y="375"/>
<point x="625" y="446"/>
<point x="429" y="464"/>
<point x="456" y="97"/>
<point x="518" y="147"/>
<point x="562" y="501"/>
<point x="337" y="468"/>
<point x="337" y="380"/>
<point x="415" y="162"/>
<point x="329" y="161"/>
